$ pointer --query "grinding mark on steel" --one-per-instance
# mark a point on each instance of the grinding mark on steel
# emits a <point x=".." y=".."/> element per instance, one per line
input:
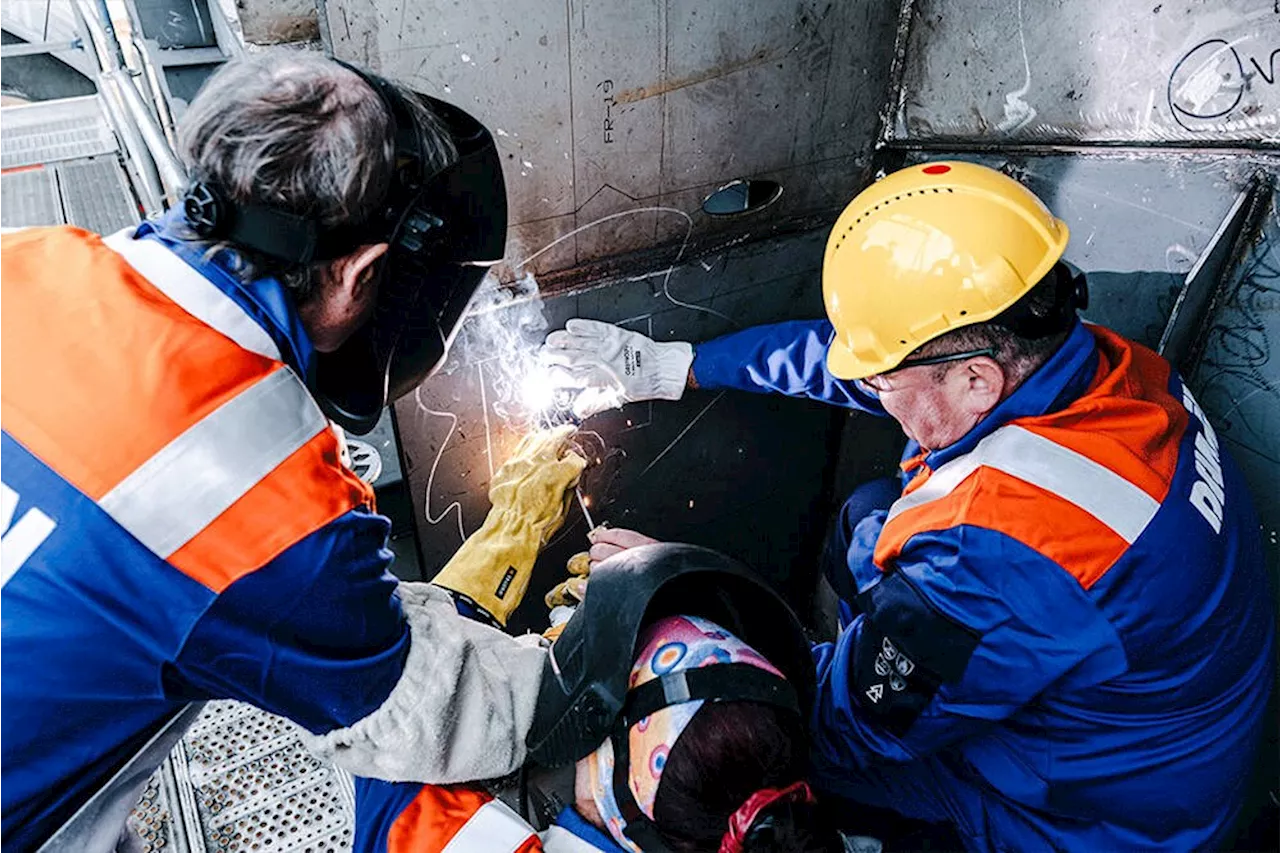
<point x="676" y="440"/>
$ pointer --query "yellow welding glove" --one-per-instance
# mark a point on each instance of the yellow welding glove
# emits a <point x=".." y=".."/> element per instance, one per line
<point x="564" y="597"/>
<point x="529" y="496"/>
<point x="570" y="591"/>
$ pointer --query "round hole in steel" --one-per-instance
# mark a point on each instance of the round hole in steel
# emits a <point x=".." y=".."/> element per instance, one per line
<point x="741" y="197"/>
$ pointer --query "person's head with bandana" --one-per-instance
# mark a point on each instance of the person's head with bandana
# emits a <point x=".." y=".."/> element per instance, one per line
<point x="715" y="776"/>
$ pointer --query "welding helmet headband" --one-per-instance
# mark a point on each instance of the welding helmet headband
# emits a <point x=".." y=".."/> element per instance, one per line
<point x="444" y="230"/>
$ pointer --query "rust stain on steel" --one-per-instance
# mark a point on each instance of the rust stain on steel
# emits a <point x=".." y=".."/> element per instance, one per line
<point x="278" y="21"/>
<point x="630" y="96"/>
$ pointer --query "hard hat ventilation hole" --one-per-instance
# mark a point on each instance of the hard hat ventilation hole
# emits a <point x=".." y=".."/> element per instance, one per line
<point x="902" y="342"/>
<point x="740" y="197"/>
<point x="962" y="313"/>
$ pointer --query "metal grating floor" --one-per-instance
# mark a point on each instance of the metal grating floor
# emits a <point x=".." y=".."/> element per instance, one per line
<point x="241" y="782"/>
<point x="91" y="194"/>
<point x="46" y="132"/>
<point x="30" y="198"/>
<point x="96" y="196"/>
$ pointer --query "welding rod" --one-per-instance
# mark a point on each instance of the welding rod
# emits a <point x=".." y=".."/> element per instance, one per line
<point x="582" y="504"/>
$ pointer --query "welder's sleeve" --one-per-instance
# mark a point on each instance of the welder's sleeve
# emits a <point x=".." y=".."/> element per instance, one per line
<point x="781" y="358"/>
<point x="967" y="627"/>
<point x="461" y="709"/>
<point x="316" y="635"/>
<point x="387" y="677"/>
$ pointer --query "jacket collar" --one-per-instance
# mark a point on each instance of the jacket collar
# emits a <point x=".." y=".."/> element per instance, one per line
<point x="268" y="302"/>
<point x="1054" y="385"/>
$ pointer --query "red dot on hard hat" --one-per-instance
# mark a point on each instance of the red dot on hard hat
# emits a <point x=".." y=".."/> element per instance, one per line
<point x="939" y="169"/>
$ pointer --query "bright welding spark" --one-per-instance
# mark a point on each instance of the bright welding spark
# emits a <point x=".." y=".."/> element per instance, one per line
<point x="538" y="389"/>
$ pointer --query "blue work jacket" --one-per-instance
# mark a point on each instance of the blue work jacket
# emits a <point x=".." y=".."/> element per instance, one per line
<point x="1064" y="639"/>
<point x="179" y="525"/>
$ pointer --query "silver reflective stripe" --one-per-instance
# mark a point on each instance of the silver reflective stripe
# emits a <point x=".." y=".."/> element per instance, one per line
<point x="195" y="294"/>
<point x="494" y="828"/>
<point x="1034" y="459"/>
<point x="196" y="477"/>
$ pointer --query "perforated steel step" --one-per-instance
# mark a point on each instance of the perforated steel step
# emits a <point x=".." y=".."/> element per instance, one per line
<point x="241" y="782"/>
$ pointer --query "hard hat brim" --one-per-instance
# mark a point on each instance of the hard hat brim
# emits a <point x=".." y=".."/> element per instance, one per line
<point x="843" y="364"/>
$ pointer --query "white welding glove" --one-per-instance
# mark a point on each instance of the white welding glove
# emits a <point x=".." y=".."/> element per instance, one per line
<point x="613" y="365"/>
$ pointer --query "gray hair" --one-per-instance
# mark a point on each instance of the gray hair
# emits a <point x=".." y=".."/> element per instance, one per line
<point x="1017" y="356"/>
<point x="302" y="134"/>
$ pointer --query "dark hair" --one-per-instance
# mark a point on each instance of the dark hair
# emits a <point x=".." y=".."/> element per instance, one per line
<point x="299" y="133"/>
<point x="729" y="751"/>
<point x="1017" y="355"/>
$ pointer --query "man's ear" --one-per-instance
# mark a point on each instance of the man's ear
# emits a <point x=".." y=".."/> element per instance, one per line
<point x="985" y="385"/>
<point x="358" y="268"/>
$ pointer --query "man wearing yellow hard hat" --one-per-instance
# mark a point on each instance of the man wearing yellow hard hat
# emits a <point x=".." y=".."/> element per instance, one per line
<point x="1056" y="627"/>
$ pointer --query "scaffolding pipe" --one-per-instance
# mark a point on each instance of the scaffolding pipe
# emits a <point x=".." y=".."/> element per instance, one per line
<point x="36" y="48"/>
<point x="137" y="159"/>
<point x="161" y="178"/>
<point x="172" y="178"/>
<point x="109" y="34"/>
<point x="158" y="99"/>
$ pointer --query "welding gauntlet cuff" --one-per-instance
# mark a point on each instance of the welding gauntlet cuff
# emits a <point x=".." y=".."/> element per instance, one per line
<point x="461" y="710"/>
<point x="492" y="568"/>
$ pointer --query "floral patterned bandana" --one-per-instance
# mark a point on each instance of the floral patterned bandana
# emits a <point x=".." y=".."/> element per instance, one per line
<point x="672" y="644"/>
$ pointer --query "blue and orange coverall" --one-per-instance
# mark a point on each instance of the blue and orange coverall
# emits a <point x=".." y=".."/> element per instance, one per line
<point x="179" y="526"/>
<point x="1063" y="636"/>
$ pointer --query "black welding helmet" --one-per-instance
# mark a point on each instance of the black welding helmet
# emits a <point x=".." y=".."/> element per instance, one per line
<point x="444" y="229"/>
<point x="585" y="698"/>
<point x="584" y="695"/>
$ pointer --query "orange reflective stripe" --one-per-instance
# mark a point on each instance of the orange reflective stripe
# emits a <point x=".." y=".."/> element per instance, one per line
<point x="1054" y="527"/>
<point x="434" y="817"/>
<point x="1127" y="420"/>
<point x="1078" y="485"/>
<point x="307" y="491"/>
<point x="150" y="412"/>
<point x="100" y="369"/>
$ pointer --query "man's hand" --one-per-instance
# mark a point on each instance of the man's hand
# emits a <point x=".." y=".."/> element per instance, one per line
<point x="564" y="597"/>
<point x="607" y="541"/>
<point x="613" y="365"/>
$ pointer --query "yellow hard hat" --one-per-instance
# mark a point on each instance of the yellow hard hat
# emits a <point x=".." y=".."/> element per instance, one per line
<point x="926" y="250"/>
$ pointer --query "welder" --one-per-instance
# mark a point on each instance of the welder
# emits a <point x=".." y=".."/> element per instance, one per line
<point x="1058" y="633"/>
<point x="179" y="525"/>
<point x="672" y="719"/>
